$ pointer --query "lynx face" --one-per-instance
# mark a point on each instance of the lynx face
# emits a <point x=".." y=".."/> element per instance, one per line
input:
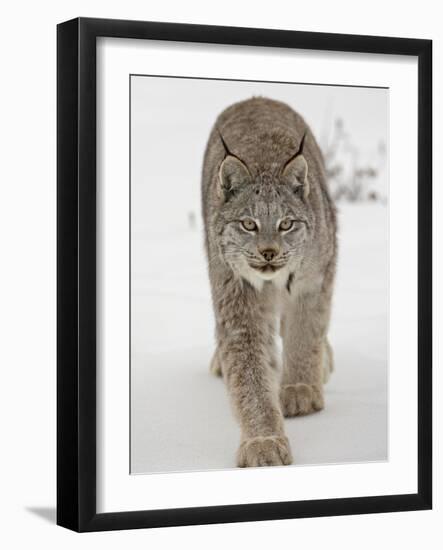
<point x="264" y="223"/>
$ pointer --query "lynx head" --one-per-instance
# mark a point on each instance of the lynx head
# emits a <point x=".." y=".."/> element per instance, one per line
<point x="263" y="224"/>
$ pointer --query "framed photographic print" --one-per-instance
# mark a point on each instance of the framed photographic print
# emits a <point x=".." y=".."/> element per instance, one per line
<point x="244" y="274"/>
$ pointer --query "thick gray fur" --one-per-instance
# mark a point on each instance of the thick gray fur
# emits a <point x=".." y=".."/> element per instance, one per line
<point x="267" y="280"/>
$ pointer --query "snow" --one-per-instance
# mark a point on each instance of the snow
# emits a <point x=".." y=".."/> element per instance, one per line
<point x="181" y="418"/>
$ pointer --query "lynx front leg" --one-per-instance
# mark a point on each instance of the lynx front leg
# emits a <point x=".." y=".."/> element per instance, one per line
<point x="305" y="351"/>
<point x="248" y="360"/>
<point x="253" y="390"/>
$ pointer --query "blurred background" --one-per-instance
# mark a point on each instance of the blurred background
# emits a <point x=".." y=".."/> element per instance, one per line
<point x="180" y="416"/>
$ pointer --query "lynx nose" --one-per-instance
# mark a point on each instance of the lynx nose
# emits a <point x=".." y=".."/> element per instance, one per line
<point x="269" y="254"/>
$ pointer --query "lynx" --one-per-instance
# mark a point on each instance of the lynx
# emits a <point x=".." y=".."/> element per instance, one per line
<point x="270" y="236"/>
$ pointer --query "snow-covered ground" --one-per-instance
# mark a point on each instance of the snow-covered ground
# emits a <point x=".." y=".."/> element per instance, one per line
<point x="180" y="414"/>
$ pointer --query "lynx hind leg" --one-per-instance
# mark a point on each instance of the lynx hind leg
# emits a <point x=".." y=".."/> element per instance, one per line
<point x="215" y="366"/>
<point x="300" y="399"/>
<point x="304" y="350"/>
<point x="328" y="361"/>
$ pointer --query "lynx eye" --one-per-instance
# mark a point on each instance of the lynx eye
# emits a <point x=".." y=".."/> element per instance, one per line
<point x="249" y="225"/>
<point x="286" y="225"/>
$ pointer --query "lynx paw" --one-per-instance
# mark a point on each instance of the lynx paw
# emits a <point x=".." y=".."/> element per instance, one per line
<point x="298" y="399"/>
<point x="264" y="451"/>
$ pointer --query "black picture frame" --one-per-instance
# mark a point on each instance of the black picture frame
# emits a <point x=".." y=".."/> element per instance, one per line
<point x="76" y="273"/>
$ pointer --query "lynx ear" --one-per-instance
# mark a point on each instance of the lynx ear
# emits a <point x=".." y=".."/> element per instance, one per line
<point x="296" y="173"/>
<point x="233" y="174"/>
